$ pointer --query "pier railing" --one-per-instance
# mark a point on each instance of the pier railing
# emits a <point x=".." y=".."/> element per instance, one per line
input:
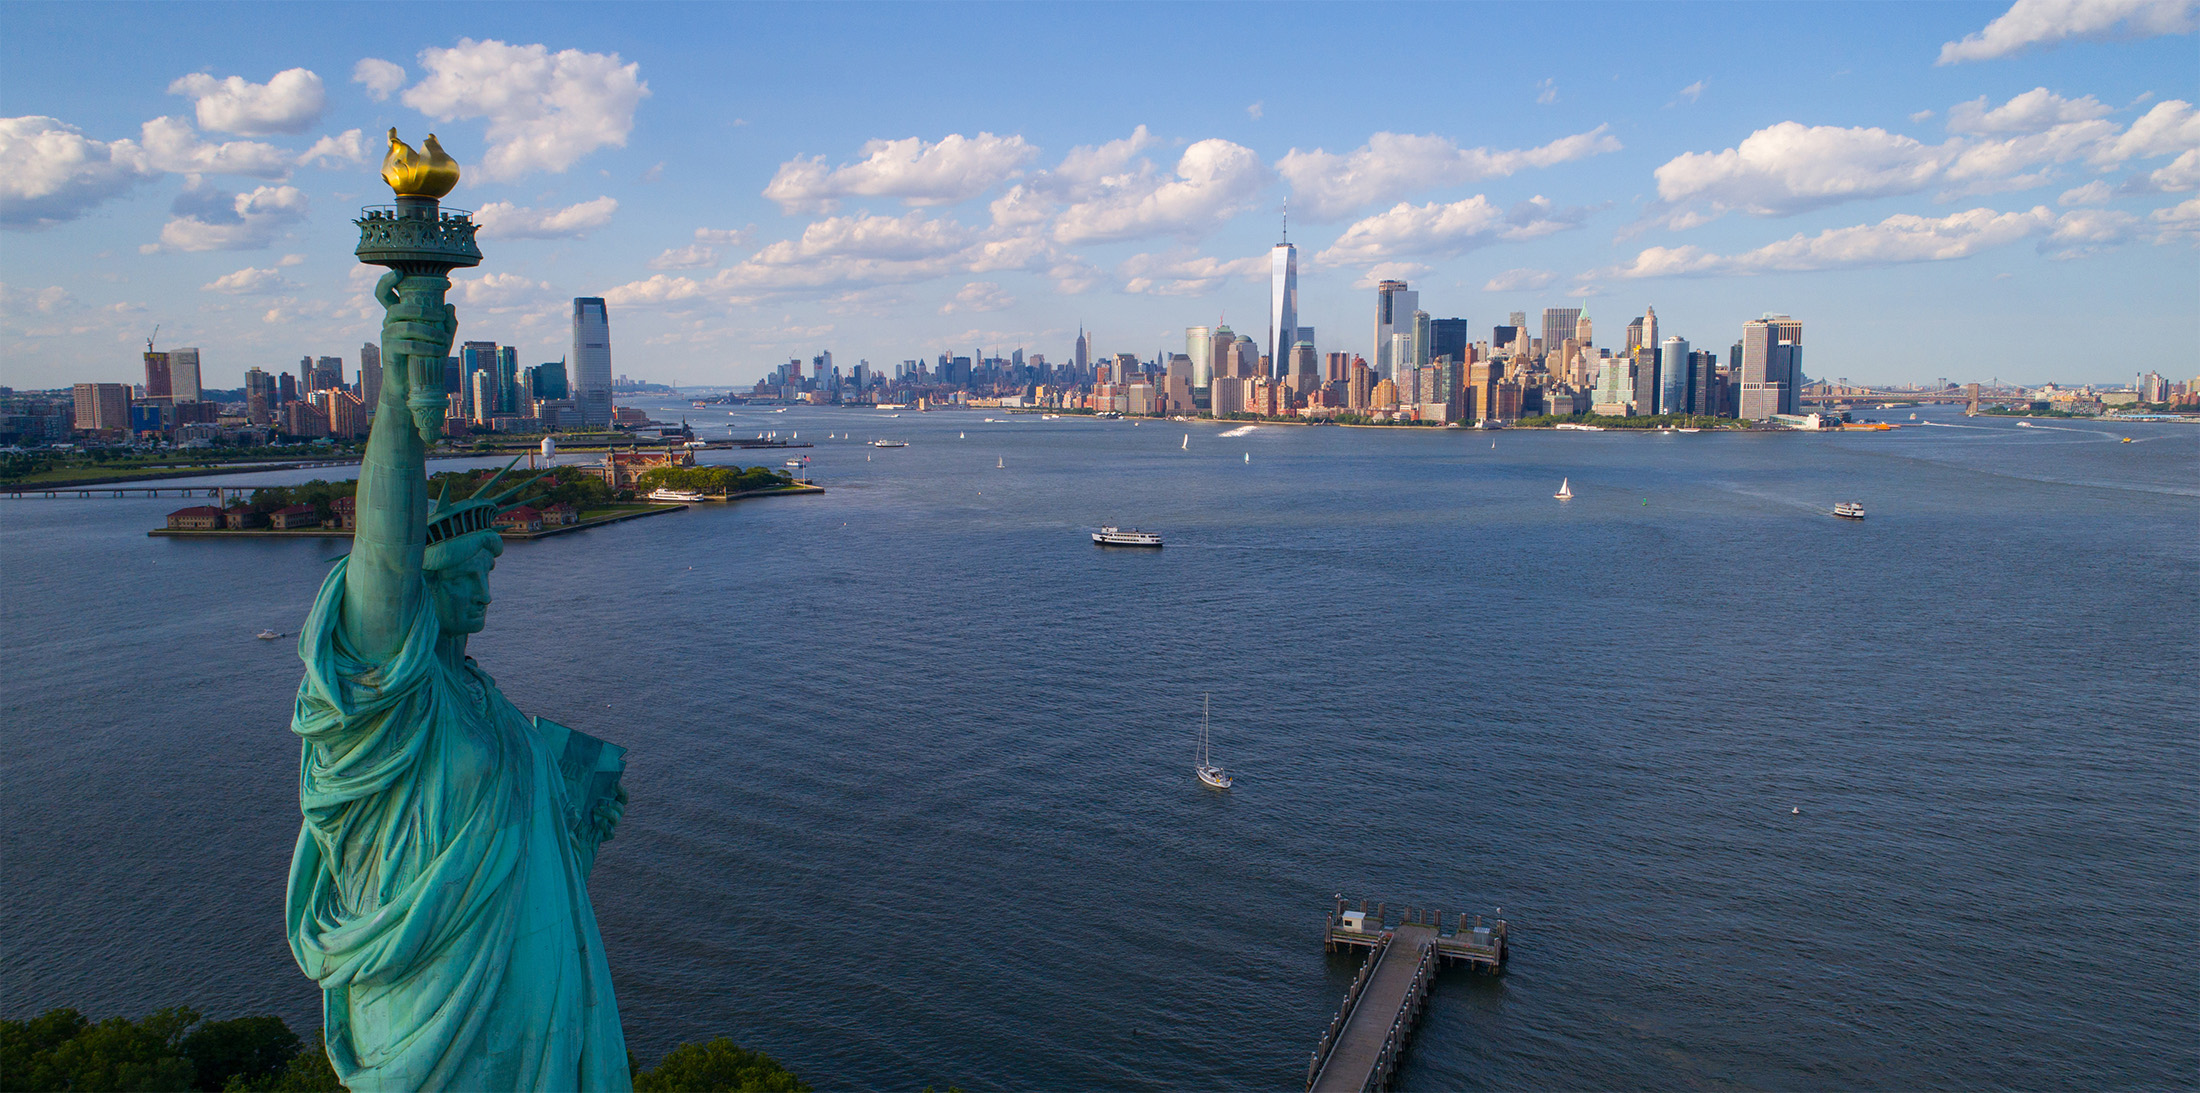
<point x="1401" y="1026"/>
<point x="1344" y="1012"/>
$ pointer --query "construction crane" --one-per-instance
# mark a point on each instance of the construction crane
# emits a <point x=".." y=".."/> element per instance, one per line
<point x="149" y="338"/>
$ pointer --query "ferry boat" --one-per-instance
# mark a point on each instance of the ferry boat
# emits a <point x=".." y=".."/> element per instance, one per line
<point x="1849" y="510"/>
<point x="673" y="496"/>
<point x="889" y="443"/>
<point x="1115" y="536"/>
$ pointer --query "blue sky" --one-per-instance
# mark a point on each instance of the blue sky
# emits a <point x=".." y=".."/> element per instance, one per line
<point x="1963" y="190"/>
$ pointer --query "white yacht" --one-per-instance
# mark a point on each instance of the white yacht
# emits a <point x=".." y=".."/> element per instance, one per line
<point x="889" y="443"/>
<point x="1203" y="764"/>
<point x="677" y="497"/>
<point x="1849" y="510"/>
<point x="1115" y="536"/>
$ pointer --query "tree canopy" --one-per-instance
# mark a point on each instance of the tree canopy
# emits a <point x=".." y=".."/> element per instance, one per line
<point x="170" y="1049"/>
<point x="718" y="1066"/>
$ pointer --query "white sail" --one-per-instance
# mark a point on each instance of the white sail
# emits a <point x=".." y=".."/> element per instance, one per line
<point x="1565" y="489"/>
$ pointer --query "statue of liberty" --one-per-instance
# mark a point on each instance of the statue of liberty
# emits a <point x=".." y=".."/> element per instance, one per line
<point x="439" y="889"/>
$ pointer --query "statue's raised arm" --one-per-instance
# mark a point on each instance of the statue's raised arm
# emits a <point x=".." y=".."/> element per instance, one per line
<point x="382" y="582"/>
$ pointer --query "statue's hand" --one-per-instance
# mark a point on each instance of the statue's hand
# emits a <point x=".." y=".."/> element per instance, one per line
<point x="608" y="815"/>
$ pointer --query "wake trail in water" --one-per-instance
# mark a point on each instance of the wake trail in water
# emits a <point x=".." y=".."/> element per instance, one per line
<point x="1241" y="430"/>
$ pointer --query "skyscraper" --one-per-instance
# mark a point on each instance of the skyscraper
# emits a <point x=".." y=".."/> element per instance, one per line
<point x="1199" y="345"/>
<point x="1082" y="356"/>
<point x="1673" y="375"/>
<point x="158" y="377"/>
<point x="1583" y="330"/>
<point x="1283" y="303"/>
<point x="370" y="374"/>
<point x="1558" y="325"/>
<point x="507" y="379"/>
<point x="592" y="361"/>
<point x="1448" y="338"/>
<point x="1772" y="354"/>
<point x="183" y="374"/>
<point x="1394" y="308"/>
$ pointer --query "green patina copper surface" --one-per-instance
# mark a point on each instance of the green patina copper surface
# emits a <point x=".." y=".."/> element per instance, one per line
<point x="439" y="888"/>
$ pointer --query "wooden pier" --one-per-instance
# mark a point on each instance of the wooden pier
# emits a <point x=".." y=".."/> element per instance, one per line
<point x="1360" y="1049"/>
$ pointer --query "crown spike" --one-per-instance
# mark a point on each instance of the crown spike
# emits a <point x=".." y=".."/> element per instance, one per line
<point x="493" y="479"/>
<point x="498" y="500"/>
<point x="442" y="498"/>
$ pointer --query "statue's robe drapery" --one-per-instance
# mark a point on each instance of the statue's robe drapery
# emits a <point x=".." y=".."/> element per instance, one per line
<point x="439" y="891"/>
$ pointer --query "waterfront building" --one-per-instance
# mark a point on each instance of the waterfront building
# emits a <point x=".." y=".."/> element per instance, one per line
<point x="1673" y="375"/>
<point x="1360" y="386"/>
<point x="157" y="375"/>
<point x="1703" y="368"/>
<point x="507" y="373"/>
<point x="1283" y="302"/>
<point x="1558" y="325"/>
<point x="1645" y="399"/>
<point x="183" y="374"/>
<point x="1634" y="335"/>
<point x="1304" y="372"/>
<point x="481" y="396"/>
<point x="591" y="357"/>
<point x="1247" y="363"/>
<point x="1394" y="308"/>
<point x="1384" y="397"/>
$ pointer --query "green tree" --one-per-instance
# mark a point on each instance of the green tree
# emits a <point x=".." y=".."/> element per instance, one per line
<point x="718" y="1066"/>
<point x="252" y="1049"/>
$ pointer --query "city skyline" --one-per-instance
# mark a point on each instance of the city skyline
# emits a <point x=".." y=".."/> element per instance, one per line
<point x="2034" y="175"/>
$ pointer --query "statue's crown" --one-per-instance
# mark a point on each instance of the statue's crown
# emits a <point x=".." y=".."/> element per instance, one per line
<point x="449" y="520"/>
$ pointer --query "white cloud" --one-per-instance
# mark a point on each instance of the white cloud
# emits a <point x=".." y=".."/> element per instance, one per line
<point x="2035" y="111"/>
<point x="1254" y="111"/>
<point x="979" y="296"/>
<point x="207" y="219"/>
<point x="1213" y="181"/>
<point x="1184" y="273"/>
<point x="290" y="102"/>
<point x="1693" y="91"/>
<point x="172" y="145"/>
<point x="1447" y="230"/>
<point x="2183" y="173"/>
<point x="1546" y="92"/>
<point x="504" y="220"/>
<point x="1392" y="165"/>
<point x="2087" y="231"/>
<point x="2171" y="127"/>
<point x="2046" y="22"/>
<point x="2092" y="193"/>
<point x="345" y="149"/>
<point x="956" y="169"/>
<point x="382" y="78"/>
<point x="545" y="110"/>
<point x="1791" y="167"/>
<point x="1898" y="239"/>
<point x="729" y="237"/>
<point x="1389" y="271"/>
<point x="499" y="292"/>
<point x="51" y="172"/>
<point x="695" y="256"/>
<point x="904" y="238"/>
<point x="1519" y="280"/>
<point x="249" y="282"/>
<point x="292" y="260"/>
<point x="2180" y="221"/>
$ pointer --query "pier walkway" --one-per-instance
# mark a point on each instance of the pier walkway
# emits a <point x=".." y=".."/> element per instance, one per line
<point x="1361" y="1048"/>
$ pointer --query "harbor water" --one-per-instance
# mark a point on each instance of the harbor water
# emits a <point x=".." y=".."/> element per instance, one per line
<point x="1769" y="799"/>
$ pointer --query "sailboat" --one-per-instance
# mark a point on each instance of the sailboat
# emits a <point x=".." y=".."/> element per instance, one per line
<point x="1203" y="764"/>
<point x="1565" y="490"/>
<point x="962" y="436"/>
<point x="1248" y="457"/>
<point x="1187" y="445"/>
<point x="998" y="464"/>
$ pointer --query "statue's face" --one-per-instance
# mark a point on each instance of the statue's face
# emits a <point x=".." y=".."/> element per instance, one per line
<point x="462" y="594"/>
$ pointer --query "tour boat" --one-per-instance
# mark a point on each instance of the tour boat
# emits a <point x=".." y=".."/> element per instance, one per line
<point x="681" y="497"/>
<point x="889" y="443"/>
<point x="1849" y="510"/>
<point x="794" y="462"/>
<point x="1203" y="764"/>
<point x="1050" y="417"/>
<point x="1565" y="490"/>
<point x="2127" y="440"/>
<point x="1115" y="536"/>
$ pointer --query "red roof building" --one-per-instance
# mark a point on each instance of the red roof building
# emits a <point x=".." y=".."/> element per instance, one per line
<point x="196" y="518"/>
<point x="295" y="516"/>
